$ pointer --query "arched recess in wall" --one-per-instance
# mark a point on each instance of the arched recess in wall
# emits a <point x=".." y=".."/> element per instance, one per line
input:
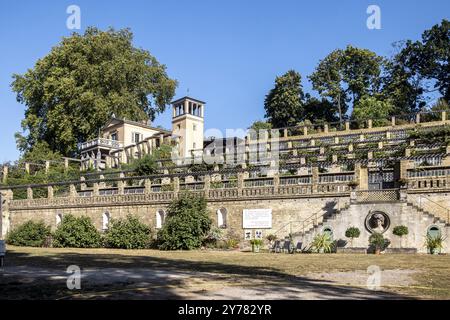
<point x="160" y="217"/>
<point x="59" y="218"/>
<point x="222" y="218"/>
<point x="329" y="231"/>
<point x="105" y="220"/>
<point x="434" y="231"/>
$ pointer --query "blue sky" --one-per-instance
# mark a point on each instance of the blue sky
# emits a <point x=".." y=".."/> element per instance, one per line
<point x="226" y="53"/>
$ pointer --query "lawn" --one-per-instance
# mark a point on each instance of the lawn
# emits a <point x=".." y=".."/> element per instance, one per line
<point x="36" y="273"/>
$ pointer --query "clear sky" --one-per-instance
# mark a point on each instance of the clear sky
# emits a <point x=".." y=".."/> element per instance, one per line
<point x="226" y="52"/>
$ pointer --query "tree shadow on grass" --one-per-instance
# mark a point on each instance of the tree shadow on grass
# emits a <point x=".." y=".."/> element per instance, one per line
<point x="117" y="276"/>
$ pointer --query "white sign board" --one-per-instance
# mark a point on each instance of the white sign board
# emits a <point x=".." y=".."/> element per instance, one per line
<point x="257" y="218"/>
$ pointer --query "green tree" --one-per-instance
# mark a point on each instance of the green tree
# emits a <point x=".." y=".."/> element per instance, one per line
<point x="29" y="234"/>
<point x="74" y="90"/>
<point x="186" y="225"/>
<point x="284" y="103"/>
<point x="344" y="76"/>
<point x="261" y="125"/>
<point x="372" y="108"/>
<point x="319" y="110"/>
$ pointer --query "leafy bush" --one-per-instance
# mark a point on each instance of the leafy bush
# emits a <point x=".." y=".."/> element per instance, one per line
<point x="322" y="243"/>
<point x="400" y="231"/>
<point x="29" y="234"/>
<point x="271" y="237"/>
<point x="76" y="232"/>
<point x="352" y="232"/>
<point x="256" y="242"/>
<point x="378" y="241"/>
<point x="214" y="235"/>
<point x="186" y="225"/>
<point x="128" y="233"/>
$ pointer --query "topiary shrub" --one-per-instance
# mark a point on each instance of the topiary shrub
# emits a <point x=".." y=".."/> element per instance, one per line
<point x="76" y="232"/>
<point x="352" y="232"/>
<point x="186" y="225"/>
<point x="128" y="233"/>
<point x="29" y="234"/>
<point x="400" y="231"/>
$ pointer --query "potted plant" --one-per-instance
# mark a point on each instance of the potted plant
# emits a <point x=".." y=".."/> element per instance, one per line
<point x="400" y="231"/>
<point x="322" y="243"/>
<point x="378" y="242"/>
<point x="256" y="244"/>
<point x="434" y="243"/>
<point x="403" y="182"/>
<point x="353" y="184"/>
<point x="271" y="238"/>
<point x="352" y="233"/>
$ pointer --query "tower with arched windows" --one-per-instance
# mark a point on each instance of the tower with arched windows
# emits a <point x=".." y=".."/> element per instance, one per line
<point x="188" y="125"/>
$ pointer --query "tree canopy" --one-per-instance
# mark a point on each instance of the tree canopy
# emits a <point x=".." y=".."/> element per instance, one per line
<point x="70" y="93"/>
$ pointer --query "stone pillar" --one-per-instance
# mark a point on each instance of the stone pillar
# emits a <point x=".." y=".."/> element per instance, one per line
<point x="83" y="185"/>
<point x="276" y="182"/>
<point x="66" y="164"/>
<point x="96" y="189"/>
<point x="369" y="123"/>
<point x="315" y="178"/>
<point x="444" y="116"/>
<point x="72" y="191"/>
<point x="27" y="167"/>
<point x="176" y="185"/>
<point x="334" y="158"/>
<point x="380" y="145"/>
<point x="122" y="175"/>
<point x="29" y="193"/>
<point x="207" y="180"/>
<point x="5" y="197"/>
<point x="393" y="121"/>
<point x="285" y="133"/>
<point x="388" y="134"/>
<point x="336" y="140"/>
<point x="418" y="118"/>
<point x="361" y="137"/>
<point x="50" y="192"/>
<point x="5" y="174"/>
<point x="362" y="175"/>
<point x="240" y="181"/>
<point x="350" y="147"/>
<point x="47" y="166"/>
<point x="347" y="125"/>
<point x="305" y="131"/>
<point x="325" y="128"/>
<point x="120" y="187"/>
<point x="322" y="150"/>
<point x="370" y="155"/>
<point x="407" y="152"/>
<point x="148" y="186"/>
<point x="102" y="184"/>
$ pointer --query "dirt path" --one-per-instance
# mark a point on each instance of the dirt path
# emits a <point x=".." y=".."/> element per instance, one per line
<point x="146" y="283"/>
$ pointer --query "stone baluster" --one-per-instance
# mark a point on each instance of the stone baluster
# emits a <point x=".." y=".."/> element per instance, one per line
<point x="369" y="123"/>
<point x="83" y="185"/>
<point x="47" y="166"/>
<point x="393" y="121"/>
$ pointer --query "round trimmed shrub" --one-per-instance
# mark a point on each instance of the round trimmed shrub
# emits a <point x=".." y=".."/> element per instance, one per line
<point x="400" y="231"/>
<point x="128" y="233"/>
<point x="186" y="225"/>
<point x="352" y="232"/>
<point x="29" y="234"/>
<point x="76" y="232"/>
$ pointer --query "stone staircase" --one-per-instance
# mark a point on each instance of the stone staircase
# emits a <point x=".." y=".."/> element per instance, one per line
<point x="415" y="218"/>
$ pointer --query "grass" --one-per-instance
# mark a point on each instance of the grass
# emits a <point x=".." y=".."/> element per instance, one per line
<point x="432" y="279"/>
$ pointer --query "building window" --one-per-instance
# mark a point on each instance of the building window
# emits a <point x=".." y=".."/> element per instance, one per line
<point x="136" y="137"/>
<point x="160" y="217"/>
<point x="194" y="127"/>
<point x="105" y="221"/>
<point x="58" y="219"/>
<point x="222" y="218"/>
<point x="114" y="136"/>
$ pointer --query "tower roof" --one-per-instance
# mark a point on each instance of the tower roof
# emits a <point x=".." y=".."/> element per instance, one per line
<point x="188" y="98"/>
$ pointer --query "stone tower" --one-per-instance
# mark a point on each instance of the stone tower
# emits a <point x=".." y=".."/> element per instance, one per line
<point x="188" y="125"/>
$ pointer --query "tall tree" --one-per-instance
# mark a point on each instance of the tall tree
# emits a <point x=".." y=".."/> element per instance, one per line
<point x="284" y="103"/>
<point x="74" y="90"/>
<point x="319" y="110"/>
<point x="344" y="76"/>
